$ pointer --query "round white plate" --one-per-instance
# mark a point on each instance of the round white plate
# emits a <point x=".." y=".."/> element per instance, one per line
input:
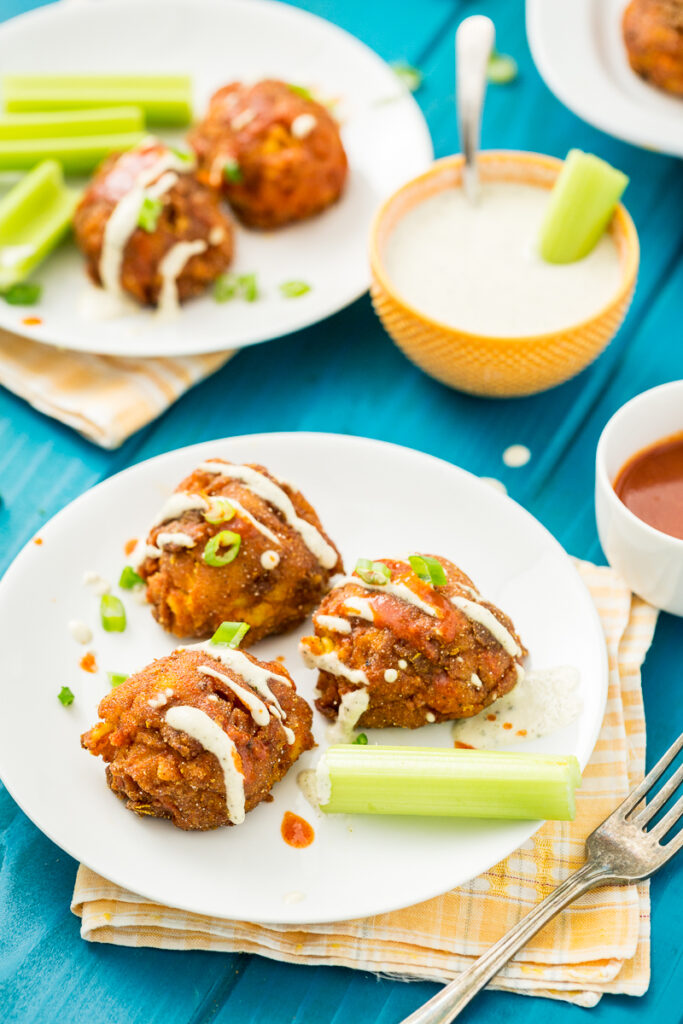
<point x="579" y="50"/>
<point x="218" y="41"/>
<point x="374" y="499"/>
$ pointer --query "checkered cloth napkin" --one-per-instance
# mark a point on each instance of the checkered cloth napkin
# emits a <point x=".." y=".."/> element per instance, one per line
<point x="105" y="398"/>
<point x="600" y="944"/>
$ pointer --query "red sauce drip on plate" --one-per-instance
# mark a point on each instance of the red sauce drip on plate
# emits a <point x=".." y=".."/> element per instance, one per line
<point x="130" y="546"/>
<point x="88" y="663"/>
<point x="32" y="321"/>
<point x="650" y="484"/>
<point x="296" y="831"/>
<point x="459" y="745"/>
<point x="38" y="541"/>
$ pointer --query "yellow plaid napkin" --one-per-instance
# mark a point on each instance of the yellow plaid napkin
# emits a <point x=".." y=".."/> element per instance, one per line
<point x="105" y="398"/>
<point x="598" y="945"/>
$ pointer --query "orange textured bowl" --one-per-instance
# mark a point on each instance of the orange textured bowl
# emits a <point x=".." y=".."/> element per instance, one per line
<point x="477" y="363"/>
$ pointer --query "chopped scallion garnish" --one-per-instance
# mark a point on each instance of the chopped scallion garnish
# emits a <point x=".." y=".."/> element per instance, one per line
<point x="248" y="287"/>
<point x="23" y="293"/>
<point x="230" y="634"/>
<point x="220" y="510"/>
<point x="292" y="289"/>
<point x="129" y="578"/>
<point x="501" y="69"/>
<point x="228" y="286"/>
<point x="373" y="572"/>
<point x="232" y="172"/>
<point x="112" y="614"/>
<point x="361" y="739"/>
<point x="182" y="154"/>
<point x="409" y="76"/>
<point x="301" y="90"/>
<point x="428" y="569"/>
<point x="150" y="211"/>
<point x="116" y="678"/>
<point x="65" y="696"/>
<point x="225" y="539"/>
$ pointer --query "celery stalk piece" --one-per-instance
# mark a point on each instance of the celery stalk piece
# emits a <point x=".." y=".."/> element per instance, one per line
<point x="446" y="782"/>
<point x="34" y="216"/>
<point x="165" y="99"/>
<point x="58" y="123"/>
<point x="580" y="207"/>
<point x="78" y="154"/>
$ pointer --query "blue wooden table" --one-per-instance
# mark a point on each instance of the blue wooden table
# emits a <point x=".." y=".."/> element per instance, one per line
<point x="346" y="376"/>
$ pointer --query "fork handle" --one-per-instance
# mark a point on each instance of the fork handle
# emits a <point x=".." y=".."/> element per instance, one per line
<point x="447" y="1004"/>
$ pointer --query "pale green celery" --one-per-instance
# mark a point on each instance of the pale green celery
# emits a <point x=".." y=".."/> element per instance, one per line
<point x="446" y="782"/>
<point x="34" y="216"/>
<point x="78" y="154"/>
<point x="165" y="99"/>
<point x="58" y="123"/>
<point x="580" y="207"/>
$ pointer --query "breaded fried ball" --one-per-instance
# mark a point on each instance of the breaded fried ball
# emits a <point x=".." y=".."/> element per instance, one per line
<point x="401" y="650"/>
<point x="181" y="235"/>
<point x="653" y="34"/>
<point x="235" y="543"/>
<point x="276" y="154"/>
<point x="201" y="736"/>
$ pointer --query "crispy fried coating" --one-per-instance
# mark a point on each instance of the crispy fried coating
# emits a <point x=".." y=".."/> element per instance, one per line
<point x="190" y="211"/>
<point x="653" y="34"/>
<point x="284" y="153"/>
<point x="420" y="667"/>
<point x="160" y="771"/>
<point x="191" y="599"/>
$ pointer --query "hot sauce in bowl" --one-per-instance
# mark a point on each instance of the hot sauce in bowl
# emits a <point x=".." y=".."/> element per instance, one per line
<point x="650" y="484"/>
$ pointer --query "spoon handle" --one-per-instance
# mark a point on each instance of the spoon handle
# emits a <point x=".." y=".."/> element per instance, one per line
<point x="474" y="42"/>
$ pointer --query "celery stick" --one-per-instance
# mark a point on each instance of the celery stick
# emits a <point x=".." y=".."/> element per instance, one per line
<point x="77" y="154"/>
<point x="34" y="216"/>
<point x="165" y="99"/>
<point x="55" y="124"/>
<point x="446" y="782"/>
<point x="580" y="207"/>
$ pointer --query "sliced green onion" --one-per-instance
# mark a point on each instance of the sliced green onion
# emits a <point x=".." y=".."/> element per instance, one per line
<point x="409" y="76"/>
<point x="293" y="289"/>
<point x="248" y="287"/>
<point x="150" y="211"/>
<point x="23" y="293"/>
<point x="501" y="69"/>
<point x="232" y="172"/>
<point x="112" y="614"/>
<point x="428" y="569"/>
<point x="65" y="696"/>
<point x="165" y="99"/>
<point x="373" y="572"/>
<point x="225" y="287"/>
<point x="225" y="539"/>
<point x="444" y="782"/>
<point x="183" y="154"/>
<point x="361" y="739"/>
<point x="230" y="634"/>
<point x="301" y="90"/>
<point x="55" y="124"/>
<point x="77" y="154"/>
<point x="129" y="578"/>
<point x="116" y="678"/>
<point x="580" y="207"/>
<point x="220" y="510"/>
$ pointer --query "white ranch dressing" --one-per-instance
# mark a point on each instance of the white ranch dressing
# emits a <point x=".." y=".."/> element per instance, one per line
<point x="359" y="606"/>
<point x="257" y="709"/>
<point x="202" y="728"/>
<point x="256" y="523"/>
<point x="180" y="539"/>
<point x="303" y="125"/>
<point x="270" y="559"/>
<point x="123" y="220"/>
<point x="334" y="623"/>
<point x="330" y="662"/>
<point x="270" y="492"/>
<point x="353" y="705"/>
<point x="399" y="590"/>
<point x="476" y="266"/>
<point x="479" y="613"/>
<point x="80" y="631"/>
<point x="542" y="702"/>
<point x="98" y="583"/>
<point x="170" y="269"/>
<point x="178" y="503"/>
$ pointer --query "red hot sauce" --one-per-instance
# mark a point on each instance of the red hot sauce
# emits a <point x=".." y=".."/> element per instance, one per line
<point x="296" y="831"/>
<point x="650" y="484"/>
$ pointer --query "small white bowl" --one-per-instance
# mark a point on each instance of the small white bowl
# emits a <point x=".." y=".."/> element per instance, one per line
<point x="651" y="562"/>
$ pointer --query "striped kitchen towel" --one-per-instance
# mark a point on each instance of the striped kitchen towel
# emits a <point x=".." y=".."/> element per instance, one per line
<point x="105" y="398"/>
<point x="598" y="945"/>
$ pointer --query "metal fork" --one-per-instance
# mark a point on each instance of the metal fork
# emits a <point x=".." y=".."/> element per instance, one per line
<point x="618" y="852"/>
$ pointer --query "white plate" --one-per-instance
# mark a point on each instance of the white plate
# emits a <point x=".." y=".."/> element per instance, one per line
<point x="216" y="42"/>
<point x="375" y="499"/>
<point x="579" y="50"/>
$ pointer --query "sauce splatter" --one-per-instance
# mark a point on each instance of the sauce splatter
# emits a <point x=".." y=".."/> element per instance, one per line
<point x="296" y="831"/>
<point x="38" y="540"/>
<point x="463" y="746"/>
<point x="521" y="732"/>
<point x="507" y="725"/>
<point x="130" y="546"/>
<point x="490" y="718"/>
<point x="32" y="321"/>
<point x="88" y="663"/>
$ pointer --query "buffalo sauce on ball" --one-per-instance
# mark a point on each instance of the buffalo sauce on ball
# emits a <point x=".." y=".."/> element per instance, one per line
<point x="650" y="484"/>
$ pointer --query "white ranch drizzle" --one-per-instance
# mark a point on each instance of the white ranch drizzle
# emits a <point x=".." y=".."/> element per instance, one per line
<point x="270" y="559"/>
<point x="254" y="704"/>
<point x="478" y="613"/>
<point x="170" y="269"/>
<point x="353" y="705"/>
<point x="476" y="681"/>
<point x="98" y="583"/>
<point x="81" y="632"/>
<point x="270" y="492"/>
<point x="359" y="606"/>
<point x="246" y="514"/>
<point x="329" y="662"/>
<point x="182" y="540"/>
<point x="390" y="675"/>
<point x="303" y="125"/>
<point x="399" y="590"/>
<point x="332" y="622"/>
<point x="430" y="716"/>
<point x="253" y="674"/>
<point x="178" y="503"/>
<point x="202" y="728"/>
<point x="123" y="220"/>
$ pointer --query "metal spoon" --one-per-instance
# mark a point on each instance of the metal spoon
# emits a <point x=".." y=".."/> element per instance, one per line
<point x="474" y="42"/>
